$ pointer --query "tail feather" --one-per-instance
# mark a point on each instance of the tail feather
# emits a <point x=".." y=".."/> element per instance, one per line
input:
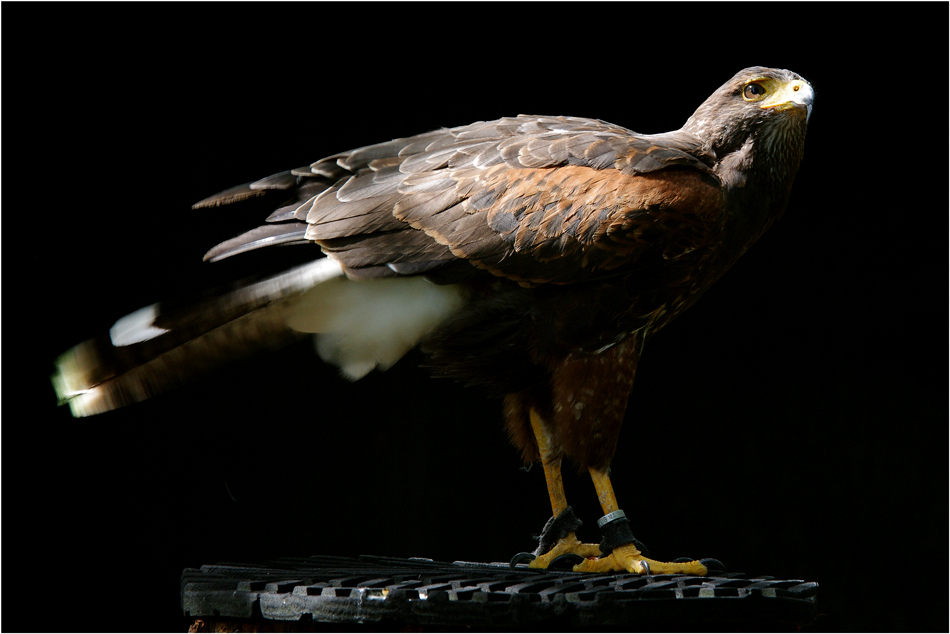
<point x="162" y="346"/>
<point x="359" y="326"/>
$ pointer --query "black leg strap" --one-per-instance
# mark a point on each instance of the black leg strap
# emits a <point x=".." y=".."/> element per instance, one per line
<point x="557" y="528"/>
<point x="615" y="530"/>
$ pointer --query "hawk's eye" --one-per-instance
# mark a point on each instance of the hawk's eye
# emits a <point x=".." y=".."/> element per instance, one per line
<point x="753" y="92"/>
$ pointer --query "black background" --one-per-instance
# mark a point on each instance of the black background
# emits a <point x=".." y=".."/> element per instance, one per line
<point x="793" y="423"/>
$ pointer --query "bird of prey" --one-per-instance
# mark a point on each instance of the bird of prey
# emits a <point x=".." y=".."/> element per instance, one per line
<point x="532" y="256"/>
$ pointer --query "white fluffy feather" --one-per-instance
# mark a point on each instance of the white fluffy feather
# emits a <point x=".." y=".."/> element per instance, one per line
<point x="368" y="324"/>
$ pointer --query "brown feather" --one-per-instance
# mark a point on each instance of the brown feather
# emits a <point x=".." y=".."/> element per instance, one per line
<point x="590" y="395"/>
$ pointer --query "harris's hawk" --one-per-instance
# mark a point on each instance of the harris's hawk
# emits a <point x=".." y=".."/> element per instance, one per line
<point x="531" y="256"/>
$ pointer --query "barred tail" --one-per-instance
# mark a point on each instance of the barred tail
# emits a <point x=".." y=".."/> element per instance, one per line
<point x="164" y="345"/>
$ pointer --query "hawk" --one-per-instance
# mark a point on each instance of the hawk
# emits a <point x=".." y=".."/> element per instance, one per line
<point x="531" y="256"/>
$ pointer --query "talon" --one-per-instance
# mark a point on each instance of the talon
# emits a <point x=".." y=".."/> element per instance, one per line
<point x="713" y="565"/>
<point x="521" y="557"/>
<point x="642" y="548"/>
<point x="644" y="567"/>
<point x="566" y="561"/>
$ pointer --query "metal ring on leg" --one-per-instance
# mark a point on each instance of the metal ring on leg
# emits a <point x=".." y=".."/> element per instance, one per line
<point x="615" y="530"/>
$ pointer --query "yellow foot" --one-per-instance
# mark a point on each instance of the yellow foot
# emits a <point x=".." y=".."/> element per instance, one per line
<point x="628" y="559"/>
<point x="569" y="544"/>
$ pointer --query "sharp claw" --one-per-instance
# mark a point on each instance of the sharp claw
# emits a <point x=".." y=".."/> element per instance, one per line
<point x="567" y="561"/>
<point x="643" y="549"/>
<point x="644" y="567"/>
<point x="713" y="565"/>
<point x="522" y="557"/>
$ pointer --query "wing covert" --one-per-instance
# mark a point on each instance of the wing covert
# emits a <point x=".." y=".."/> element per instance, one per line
<point x="534" y="199"/>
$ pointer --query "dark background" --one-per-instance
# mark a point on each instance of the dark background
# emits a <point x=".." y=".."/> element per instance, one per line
<point x="793" y="423"/>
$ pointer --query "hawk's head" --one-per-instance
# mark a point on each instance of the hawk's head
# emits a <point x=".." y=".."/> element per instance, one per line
<point x="768" y="106"/>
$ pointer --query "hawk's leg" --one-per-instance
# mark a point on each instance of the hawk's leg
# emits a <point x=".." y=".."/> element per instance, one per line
<point x="561" y="534"/>
<point x="623" y="555"/>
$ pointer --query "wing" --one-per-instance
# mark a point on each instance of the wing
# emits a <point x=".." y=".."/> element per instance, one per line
<point x="531" y="199"/>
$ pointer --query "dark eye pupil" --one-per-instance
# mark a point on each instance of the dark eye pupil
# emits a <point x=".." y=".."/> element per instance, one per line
<point x="753" y="90"/>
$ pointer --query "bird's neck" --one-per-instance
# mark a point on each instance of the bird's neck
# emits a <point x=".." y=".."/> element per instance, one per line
<point x="758" y="178"/>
